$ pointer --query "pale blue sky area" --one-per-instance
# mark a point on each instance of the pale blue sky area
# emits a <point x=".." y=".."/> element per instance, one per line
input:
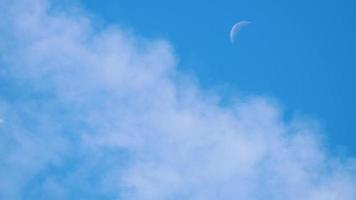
<point x="300" y="52"/>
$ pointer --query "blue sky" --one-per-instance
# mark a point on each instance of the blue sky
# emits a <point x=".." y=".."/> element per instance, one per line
<point x="133" y="100"/>
<point x="300" y="52"/>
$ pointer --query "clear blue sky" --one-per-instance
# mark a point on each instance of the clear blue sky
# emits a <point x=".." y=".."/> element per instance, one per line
<point x="300" y="52"/>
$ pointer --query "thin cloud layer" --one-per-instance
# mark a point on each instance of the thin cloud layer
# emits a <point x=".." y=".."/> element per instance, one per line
<point x="100" y="114"/>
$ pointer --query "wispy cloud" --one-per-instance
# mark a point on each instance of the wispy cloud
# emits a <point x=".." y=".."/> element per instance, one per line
<point x="100" y="114"/>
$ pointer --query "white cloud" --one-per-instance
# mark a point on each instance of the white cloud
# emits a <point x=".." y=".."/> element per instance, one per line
<point x="101" y="114"/>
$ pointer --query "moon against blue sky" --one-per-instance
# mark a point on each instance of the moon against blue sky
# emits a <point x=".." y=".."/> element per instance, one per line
<point x="301" y="53"/>
<point x="151" y="100"/>
<point x="236" y="28"/>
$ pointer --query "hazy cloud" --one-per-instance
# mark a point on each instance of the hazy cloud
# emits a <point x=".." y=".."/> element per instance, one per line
<point x="100" y="114"/>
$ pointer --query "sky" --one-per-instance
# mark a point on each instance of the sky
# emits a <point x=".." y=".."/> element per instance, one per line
<point x="300" y="52"/>
<point x="111" y="100"/>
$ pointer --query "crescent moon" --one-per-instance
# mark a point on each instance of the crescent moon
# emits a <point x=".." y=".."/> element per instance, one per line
<point x="236" y="28"/>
